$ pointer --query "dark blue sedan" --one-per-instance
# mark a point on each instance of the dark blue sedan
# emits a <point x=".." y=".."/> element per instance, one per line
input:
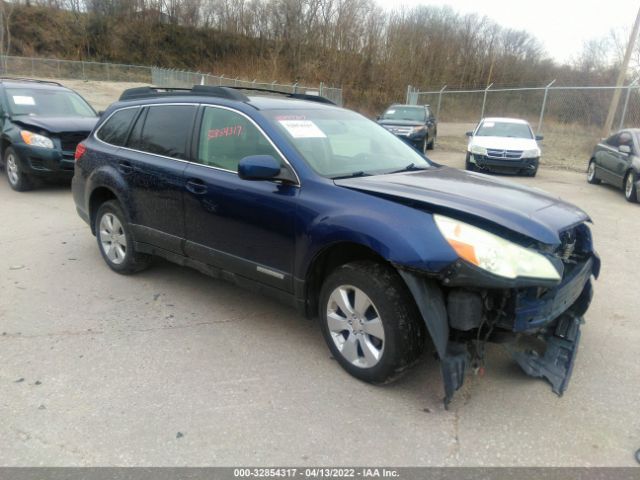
<point x="333" y="214"/>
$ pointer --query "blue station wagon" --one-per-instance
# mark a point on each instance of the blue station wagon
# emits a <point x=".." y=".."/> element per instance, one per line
<point x="324" y="209"/>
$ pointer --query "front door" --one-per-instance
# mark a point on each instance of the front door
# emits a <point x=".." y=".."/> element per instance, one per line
<point x="246" y="227"/>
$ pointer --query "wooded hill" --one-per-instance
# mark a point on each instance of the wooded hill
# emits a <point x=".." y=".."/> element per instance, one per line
<point x="372" y="53"/>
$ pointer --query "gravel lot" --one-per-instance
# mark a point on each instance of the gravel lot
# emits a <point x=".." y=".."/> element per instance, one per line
<point x="170" y="367"/>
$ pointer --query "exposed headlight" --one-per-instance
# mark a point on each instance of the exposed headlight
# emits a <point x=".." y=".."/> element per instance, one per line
<point x="533" y="153"/>
<point x="478" y="150"/>
<point x="36" y="140"/>
<point x="493" y="253"/>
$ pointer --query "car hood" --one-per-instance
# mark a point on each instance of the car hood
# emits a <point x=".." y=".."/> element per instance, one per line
<point x="57" y="124"/>
<point x="504" y="143"/>
<point x="524" y="210"/>
<point x="407" y="123"/>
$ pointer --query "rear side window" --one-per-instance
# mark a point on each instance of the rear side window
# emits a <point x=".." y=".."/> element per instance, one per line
<point x="227" y="137"/>
<point x="166" y="130"/>
<point x="114" y="131"/>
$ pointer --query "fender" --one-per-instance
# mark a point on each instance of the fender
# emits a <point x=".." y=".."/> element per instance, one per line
<point x="108" y="177"/>
<point x="402" y="235"/>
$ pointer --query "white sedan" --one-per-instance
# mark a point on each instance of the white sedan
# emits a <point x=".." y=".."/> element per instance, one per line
<point x="503" y="145"/>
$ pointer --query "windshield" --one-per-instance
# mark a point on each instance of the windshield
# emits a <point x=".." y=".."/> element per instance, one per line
<point x="340" y="143"/>
<point x="47" y="103"/>
<point x="415" y="114"/>
<point x="504" y="129"/>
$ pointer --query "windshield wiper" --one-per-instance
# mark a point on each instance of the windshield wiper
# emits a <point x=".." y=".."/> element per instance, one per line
<point x="359" y="173"/>
<point x="412" y="167"/>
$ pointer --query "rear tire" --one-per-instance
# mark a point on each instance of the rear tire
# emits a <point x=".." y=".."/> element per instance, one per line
<point x="115" y="241"/>
<point x="370" y="321"/>
<point x="630" y="189"/>
<point x="592" y="176"/>
<point x="18" y="180"/>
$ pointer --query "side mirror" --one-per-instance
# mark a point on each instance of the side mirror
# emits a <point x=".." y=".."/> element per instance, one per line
<point x="624" y="149"/>
<point x="539" y="137"/>
<point x="100" y="113"/>
<point x="469" y="134"/>
<point x="258" y="167"/>
<point x="378" y="117"/>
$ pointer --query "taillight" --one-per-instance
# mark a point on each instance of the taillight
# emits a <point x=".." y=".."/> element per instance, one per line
<point x="80" y="149"/>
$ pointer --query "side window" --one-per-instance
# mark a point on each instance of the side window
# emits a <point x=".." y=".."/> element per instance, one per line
<point x="613" y="141"/>
<point x="114" y="131"/>
<point x="227" y="137"/>
<point x="166" y="130"/>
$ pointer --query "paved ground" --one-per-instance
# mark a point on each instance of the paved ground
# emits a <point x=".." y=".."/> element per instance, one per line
<point x="170" y="367"/>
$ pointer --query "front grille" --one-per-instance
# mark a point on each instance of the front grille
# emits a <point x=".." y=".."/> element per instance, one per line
<point x="504" y="154"/>
<point x="400" y="130"/>
<point x="69" y="141"/>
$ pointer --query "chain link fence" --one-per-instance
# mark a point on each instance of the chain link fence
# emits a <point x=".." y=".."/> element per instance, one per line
<point x="161" y="77"/>
<point x="570" y="118"/>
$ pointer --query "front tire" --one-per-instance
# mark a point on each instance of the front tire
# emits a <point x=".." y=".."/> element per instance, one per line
<point x="630" y="189"/>
<point x="592" y="176"/>
<point x="432" y="142"/>
<point x="18" y="180"/>
<point x="115" y="242"/>
<point x="370" y="321"/>
<point x="468" y="165"/>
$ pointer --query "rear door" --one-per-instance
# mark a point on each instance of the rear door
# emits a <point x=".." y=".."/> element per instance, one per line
<point x="246" y="227"/>
<point x="608" y="159"/>
<point x="153" y="164"/>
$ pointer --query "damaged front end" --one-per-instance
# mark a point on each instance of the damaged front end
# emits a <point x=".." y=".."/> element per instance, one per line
<point x="538" y="321"/>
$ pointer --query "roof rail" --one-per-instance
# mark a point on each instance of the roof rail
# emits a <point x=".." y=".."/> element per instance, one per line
<point x="150" y="92"/>
<point x="230" y="93"/>
<point x="25" y="79"/>
<point x="297" y="96"/>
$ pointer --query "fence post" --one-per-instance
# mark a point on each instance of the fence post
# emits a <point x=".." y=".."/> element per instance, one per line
<point x="484" y="100"/>
<point x="626" y="103"/>
<point x="108" y="74"/>
<point x="408" y="94"/>
<point x="295" y="87"/>
<point x="33" y="67"/>
<point x="440" y="101"/>
<point x="544" y="105"/>
<point x="83" y="76"/>
<point x="321" y="87"/>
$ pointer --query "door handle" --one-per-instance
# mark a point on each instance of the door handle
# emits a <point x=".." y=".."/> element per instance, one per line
<point x="125" y="167"/>
<point x="196" y="186"/>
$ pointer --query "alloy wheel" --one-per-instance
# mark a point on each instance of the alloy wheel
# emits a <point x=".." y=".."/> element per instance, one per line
<point x="112" y="238"/>
<point x="628" y="186"/>
<point x="591" y="172"/>
<point x="355" y="326"/>
<point x="12" y="170"/>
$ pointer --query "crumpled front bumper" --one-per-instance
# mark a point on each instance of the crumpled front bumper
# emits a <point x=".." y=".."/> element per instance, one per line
<point x="542" y="326"/>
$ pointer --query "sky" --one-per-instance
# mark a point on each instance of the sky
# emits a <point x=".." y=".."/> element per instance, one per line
<point x="562" y="26"/>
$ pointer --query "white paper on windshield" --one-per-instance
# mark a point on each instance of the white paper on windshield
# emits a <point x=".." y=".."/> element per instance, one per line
<point x="391" y="112"/>
<point x="302" y="129"/>
<point x="22" y="100"/>
<point x="489" y="124"/>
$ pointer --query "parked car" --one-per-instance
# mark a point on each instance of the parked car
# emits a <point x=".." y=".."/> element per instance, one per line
<point x="42" y="123"/>
<point x="615" y="160"/>
<point x="503" y="145"/>
<point x="415" y="124"/>
<point x="331" y="213"/>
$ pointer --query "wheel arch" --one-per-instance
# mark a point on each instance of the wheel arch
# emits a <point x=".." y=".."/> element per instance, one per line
<point x="326" y="261"/>
<point x="98" y="196"/>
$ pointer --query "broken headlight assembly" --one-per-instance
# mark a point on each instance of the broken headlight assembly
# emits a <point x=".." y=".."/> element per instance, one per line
<point x="494" y="254"/>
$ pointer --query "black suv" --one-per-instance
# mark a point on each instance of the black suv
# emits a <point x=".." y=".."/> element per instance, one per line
<point x="415" y="124"/>
<point x="42" y="123"/>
